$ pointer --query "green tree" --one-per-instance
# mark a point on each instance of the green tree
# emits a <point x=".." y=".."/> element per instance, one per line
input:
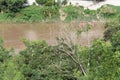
<point x="115" y="41"/>
<point x="11" y="5"/>
<point x="51" y="12"/>
<point x="72" y="12"/>
<point x="12" y="71"/>
<point x="64" y="2"/>
<point x="32" y="13"/>
<point x="111" y="28"/>
<point x="4" y="53"/>
<point x="46" y="2"/>
<point x="4" y="56"/>
<point x="103" y="65"/>
<point x="107" y="11"/>
<point x="41" y="2"/>
<point x="44" y="62"/>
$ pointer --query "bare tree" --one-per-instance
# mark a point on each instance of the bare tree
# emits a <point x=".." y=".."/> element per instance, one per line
<point x="66" y="44"/>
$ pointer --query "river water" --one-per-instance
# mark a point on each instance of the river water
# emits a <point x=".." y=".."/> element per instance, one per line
<point x="13" y="33"/>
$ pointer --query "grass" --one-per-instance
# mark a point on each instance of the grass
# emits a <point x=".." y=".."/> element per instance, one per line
<point x="48" y="14"/>
<point x="109" y="12"/>
<point x="32" y="14"/>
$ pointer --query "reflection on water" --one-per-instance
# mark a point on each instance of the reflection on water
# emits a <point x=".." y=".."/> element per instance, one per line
<point x="12" y="33"/>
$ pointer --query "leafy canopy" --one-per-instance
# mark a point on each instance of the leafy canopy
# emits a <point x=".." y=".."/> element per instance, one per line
<point x="11" y="5"/>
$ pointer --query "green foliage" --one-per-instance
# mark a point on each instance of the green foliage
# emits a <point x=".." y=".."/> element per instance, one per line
<point x="102" y="64"/>
<point x="9" y="8"/>
<point x="50" y="3"/>
<point x="83" y="57"/>
<point x="63" y="61"/>
<point x="39" y="61"/>
<point x="42" y="62"/>
<point x="46" y="2"/>
<point x="72" y="12"/>
<point x="11" y="5"/>
<point x="64" y="2"/>
<point x="51" y="12"/>
<point x="41" y="2"/>
<point x="90" y="12"/>
<point x="3" y="16"/>
<point x="36" y="13"/>
<point x="12" y="71"/>
<point x="10" y="11"/>
<point x="4" y="57"/>
<point x="4" y="53"/>
<point x="107" y="11"/>
<point x="115" y="41"/>
<point x="111" y="28"/>
<point x="79" y="13"/>
<point x="32" y="13"/>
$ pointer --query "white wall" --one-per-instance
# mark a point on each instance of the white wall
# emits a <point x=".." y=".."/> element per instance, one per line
<point x="30" y="2"/>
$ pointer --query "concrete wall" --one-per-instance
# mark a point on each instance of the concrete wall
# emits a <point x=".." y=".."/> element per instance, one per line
<point x="30" y="2"/>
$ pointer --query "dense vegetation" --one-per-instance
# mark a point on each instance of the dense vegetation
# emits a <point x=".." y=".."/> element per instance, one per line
<point x="47" y="10"/>
<point x="11" y="5"/>
<point x="46" y="2"/>
<point x="63" y="61"/>
<point x="16" y="11"/>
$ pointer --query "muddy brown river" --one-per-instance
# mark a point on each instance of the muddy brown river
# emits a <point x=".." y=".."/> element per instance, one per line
<point x="12" y="33"/>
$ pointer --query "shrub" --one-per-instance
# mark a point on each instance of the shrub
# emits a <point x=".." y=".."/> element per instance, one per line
<point x="115" y="40"/>
<point x="11" y="5"/>
<point x="90" y="12"/>
<point x="111" y="28"/>
<point x="72" y="12"/>
<point x="51" y="11"/>
<point x="107" y="11"/>
<point x="43" y="62"/>
<point x="64" y="2"/>
<point x="41" y="2"/>
<point x="46" y="2"/>
<point x="32" y="13"/>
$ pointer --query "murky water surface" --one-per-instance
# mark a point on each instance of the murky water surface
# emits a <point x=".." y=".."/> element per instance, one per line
<point x="12" y="33"/>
